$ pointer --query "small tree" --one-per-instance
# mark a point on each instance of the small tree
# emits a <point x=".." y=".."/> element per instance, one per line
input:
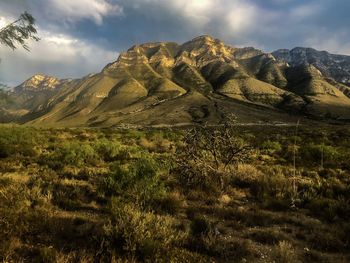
<point x="211" y="150"/>
<point x="17" y="32"/>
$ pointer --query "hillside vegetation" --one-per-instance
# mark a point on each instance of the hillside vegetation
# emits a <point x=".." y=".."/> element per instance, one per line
<point x="208" y="194"/>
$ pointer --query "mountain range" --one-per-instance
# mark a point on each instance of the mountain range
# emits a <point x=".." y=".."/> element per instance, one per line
<point x="202" y="80"/>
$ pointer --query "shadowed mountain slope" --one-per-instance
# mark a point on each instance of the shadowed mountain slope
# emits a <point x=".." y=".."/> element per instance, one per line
<point x="172" y="84"/>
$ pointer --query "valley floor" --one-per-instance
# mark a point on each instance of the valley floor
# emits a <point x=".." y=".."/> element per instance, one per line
<point x="140" y="195"/>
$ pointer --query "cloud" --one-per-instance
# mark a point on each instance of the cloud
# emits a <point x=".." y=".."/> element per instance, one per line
<point x="330" y="42"/>
<point x="76" y="10"/>
<point x="194" y="11"/>
<point x="305" y="11"/>
<point x="60" y="55"/>
<point x="242" y="16"/>
<point x="197" y="11"/>
<point x="3" y="22"/>
<point x="222" y="18"/>
<point x="77" y="35"/>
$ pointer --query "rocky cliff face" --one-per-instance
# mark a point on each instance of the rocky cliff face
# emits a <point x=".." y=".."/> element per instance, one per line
<point x="336" y="67"/>
<point x="201" y="80"/>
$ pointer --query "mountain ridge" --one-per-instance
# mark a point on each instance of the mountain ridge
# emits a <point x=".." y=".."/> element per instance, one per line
<point x="334" y="66"/>
<point x="201" y="80"/>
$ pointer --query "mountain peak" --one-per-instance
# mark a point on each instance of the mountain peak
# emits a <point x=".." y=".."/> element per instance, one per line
<point x="207" y="47"/>
<point x="39" y="82"/>
<point x="203" y="38"/>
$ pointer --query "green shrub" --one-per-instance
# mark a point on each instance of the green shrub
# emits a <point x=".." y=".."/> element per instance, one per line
<point x="72" y="153"/>
<point x="138" y="182"/>
<point x="271" y="147"/>
<point x="318" y="153"/>
<point x="194" y="175"/>
<point x="108" y="150"/>
<point x="45" y="180"/>
<point x="19" y="140"/>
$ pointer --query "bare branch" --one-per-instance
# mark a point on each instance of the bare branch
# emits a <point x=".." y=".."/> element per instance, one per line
<point x="209" y="151"/>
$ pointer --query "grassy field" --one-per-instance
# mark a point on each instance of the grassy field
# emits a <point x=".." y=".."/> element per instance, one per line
<point x="109" y="195"/>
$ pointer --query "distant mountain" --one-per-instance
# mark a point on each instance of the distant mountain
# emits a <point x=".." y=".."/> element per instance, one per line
<point x="40" y="82"/>
<point x="201" y="80"/>
<point x="333" y="66"/>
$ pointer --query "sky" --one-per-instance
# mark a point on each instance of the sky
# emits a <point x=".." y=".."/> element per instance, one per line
<point x="79" y="37"/>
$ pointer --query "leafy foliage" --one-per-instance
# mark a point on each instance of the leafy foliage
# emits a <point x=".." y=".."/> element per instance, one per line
<point x="19" y="31"/>
<point x="139" y="182"/>
<point x="72" y="153"/>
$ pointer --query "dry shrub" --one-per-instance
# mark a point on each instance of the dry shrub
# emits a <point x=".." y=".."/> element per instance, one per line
<point x="284" y="252"/>
<point x="273" y="184"/>
<point x="144" y="235"/>
<point x="149" y="145"/>
<point x="8" y="249"/>
<point x="171" y="203"/>
<point x="208" y="155"/>
<point x="245" y="175"/>
<point x="164" y="145"/>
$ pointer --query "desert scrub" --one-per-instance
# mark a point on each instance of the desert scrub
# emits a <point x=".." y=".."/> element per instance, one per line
<point x="329" y="209"/>
<point x="14" y="208"/>
<point x="142" y="235"/>
<point x="272" y="183"/>
<point x="320" y="154"/>
<point x="245" y="175"/>
<point x="138" y="182"/>
<point x="108" y="150"/>
<point x="171" y="203"/>
<point x="71" y="153"/>
<point x="18" y="140"/>
<point x="271" y="147"/>
<point x="206" y="239"/>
